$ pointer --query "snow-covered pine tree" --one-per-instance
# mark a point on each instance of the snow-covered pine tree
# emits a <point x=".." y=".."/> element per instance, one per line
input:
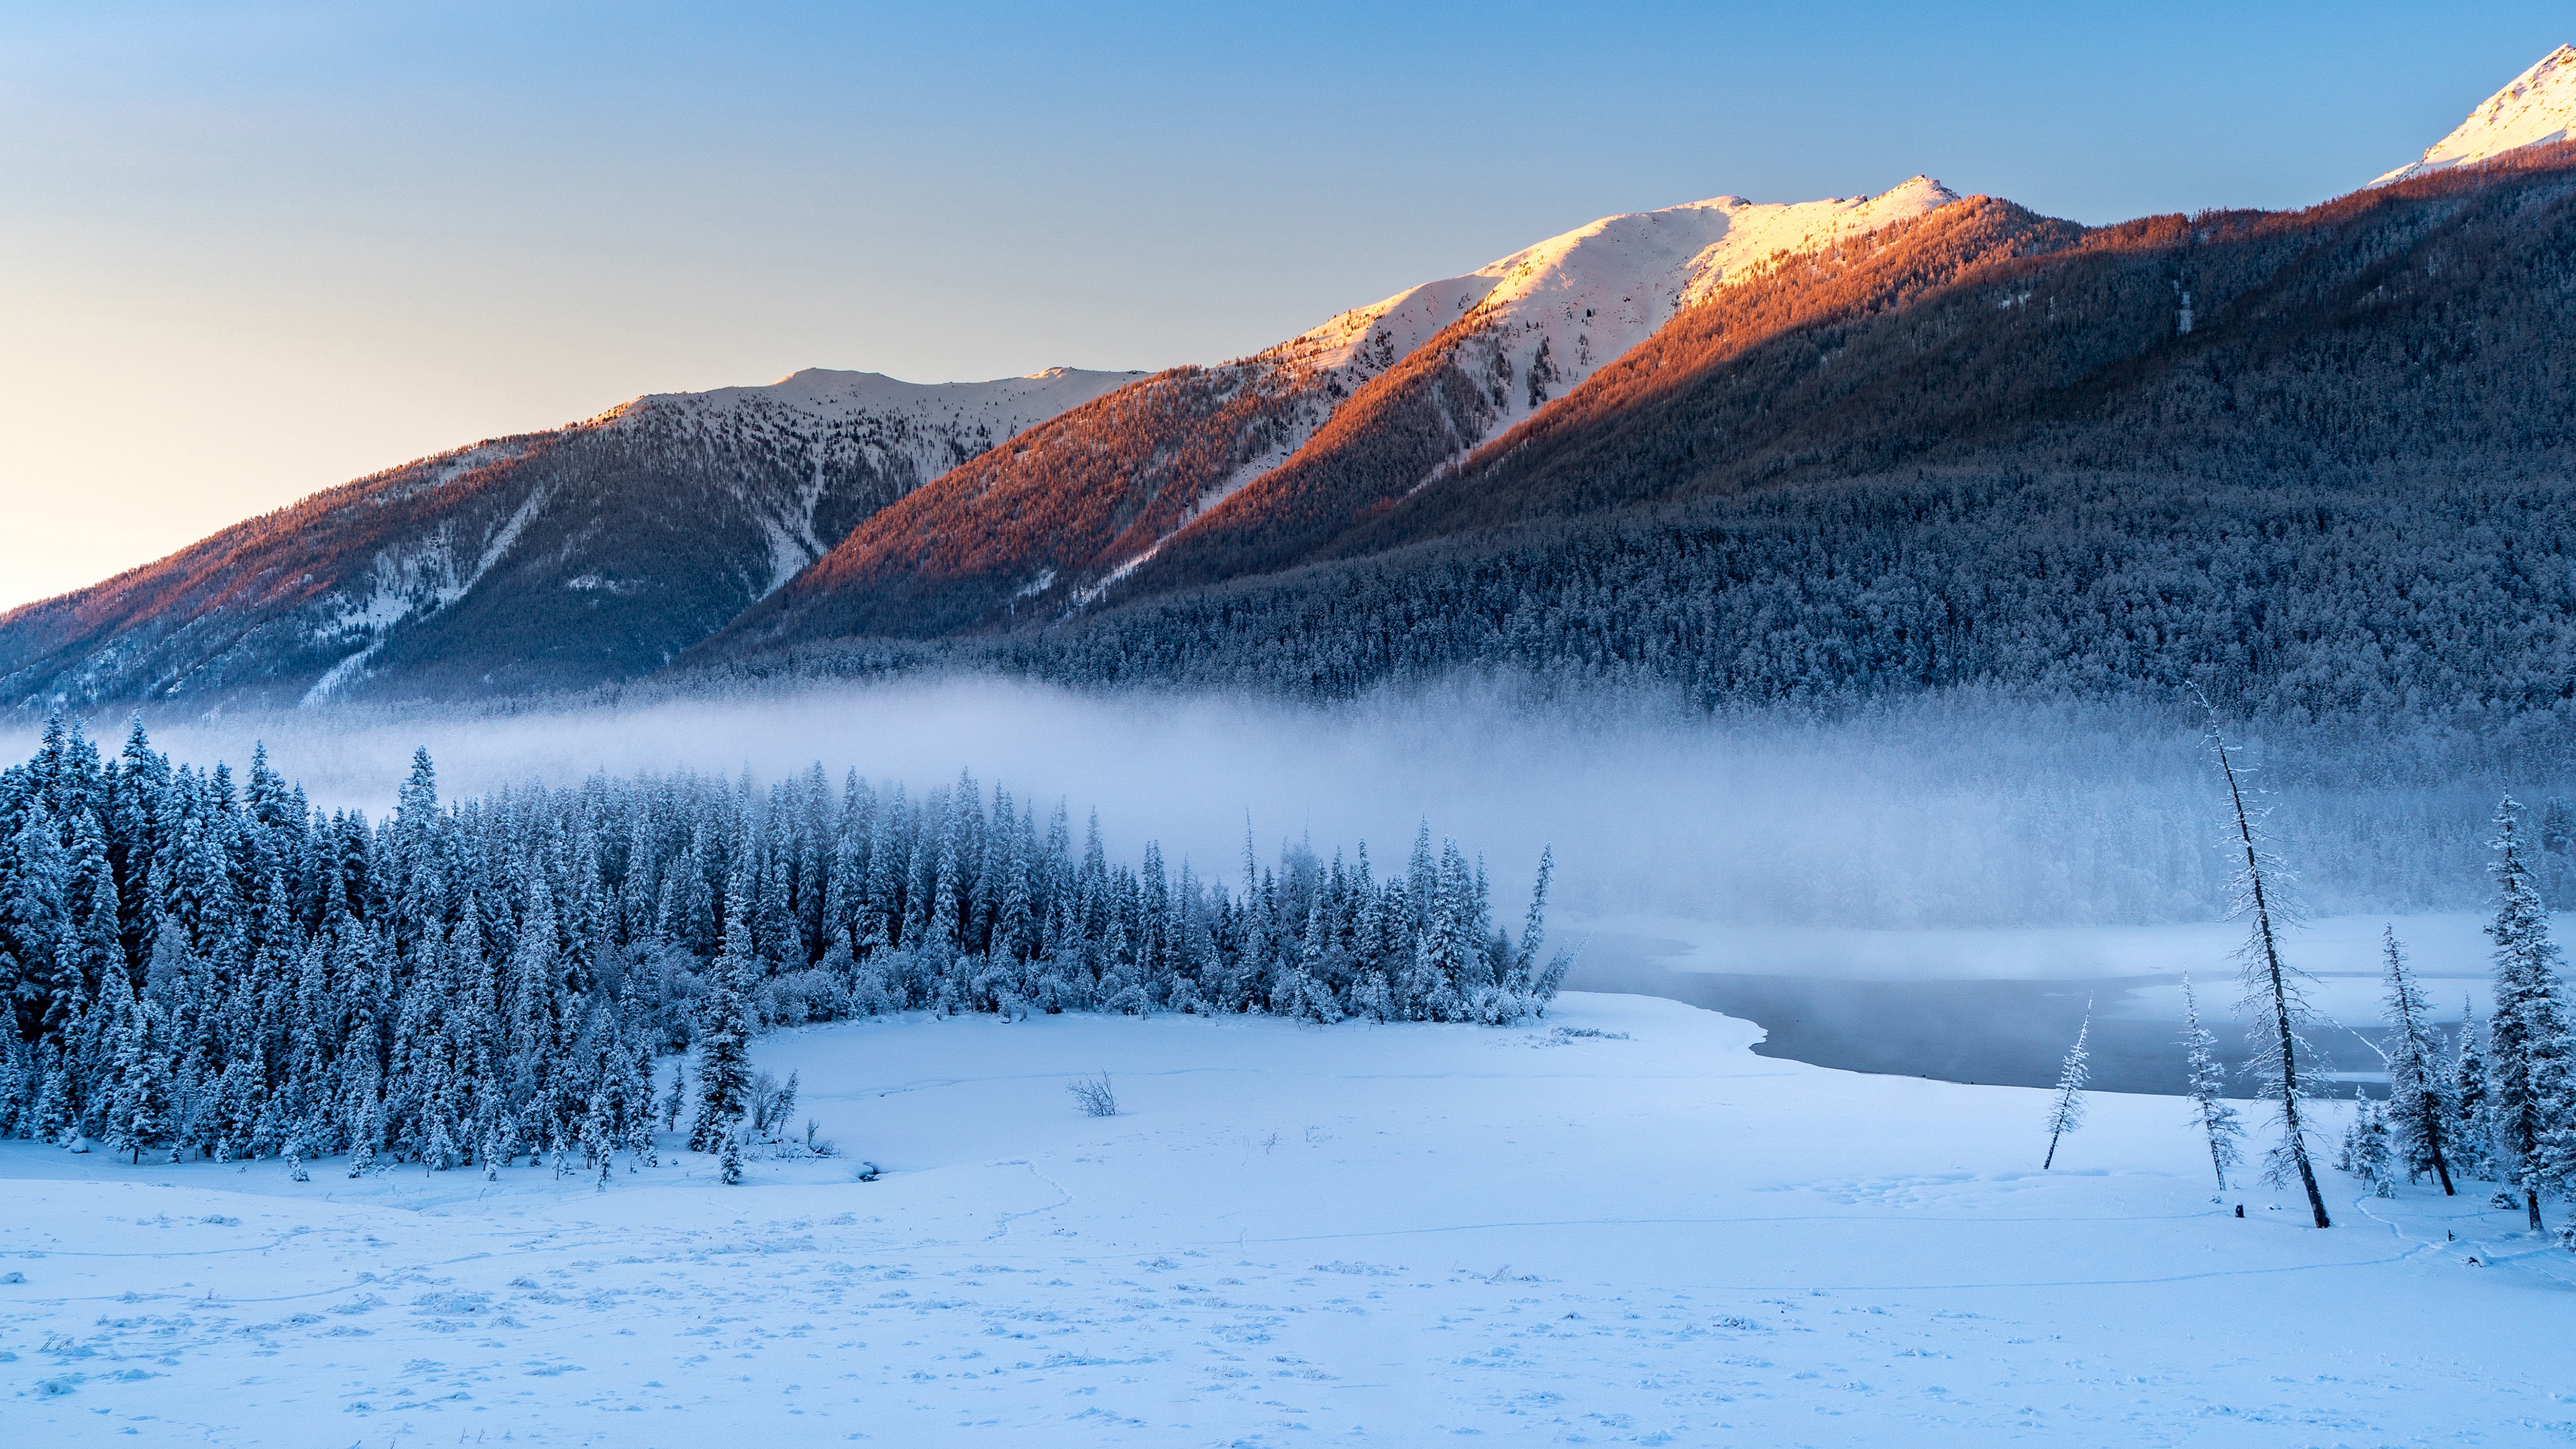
<point x="2528" y="1068"/>
<point x="2272" y="996"/>
<point x="362" y="1153"/>
<point x="2470" y="1128"/>
<point x="462" y="981"/>
<point x="2210" y="1110"/>
<point x="2419" y="1096"/>
<point x="2366" y="1153"/>
<point x="2066" y="1108"/>
<point x="724" y="1036"/>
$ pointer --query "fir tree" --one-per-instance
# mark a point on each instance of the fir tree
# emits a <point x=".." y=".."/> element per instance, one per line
<point x="724" y="1035"/>
<point x="2210" y="1111"/>
<point x="2366" y="1151"/>
<point x="232" y="974"/>
<point x="2471" y="1129"/>
<point x="2527" y="1047"/>
<point x="2420" y="1109"/>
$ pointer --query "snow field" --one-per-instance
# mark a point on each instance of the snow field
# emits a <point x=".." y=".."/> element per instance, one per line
<point x="2535" y="108"/>
<point x="1293" y="1235"/>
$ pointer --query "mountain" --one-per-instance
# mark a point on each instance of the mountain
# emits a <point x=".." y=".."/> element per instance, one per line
<point x="2537" y="108"/>
<point x="591" y="552"/>
<point x="2320" y="464"/>
<point x="1393" y="390"/>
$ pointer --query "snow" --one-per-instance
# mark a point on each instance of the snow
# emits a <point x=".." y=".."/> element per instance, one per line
<point x="412" y="580"/>
<point x="2537" y="108"/>
<point x="1345" y="1235"/>
<point x="1594" y="292"/>
<point x="1583" y="299"/>
<point x="1005" y="405"/>
<point x="921" y="429"/>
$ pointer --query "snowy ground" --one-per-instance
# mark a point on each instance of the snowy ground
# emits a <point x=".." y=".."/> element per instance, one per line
<point x="1353" y="1235"/>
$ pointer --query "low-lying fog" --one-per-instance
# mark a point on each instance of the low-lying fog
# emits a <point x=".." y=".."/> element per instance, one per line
<point x="1941" y="842"/>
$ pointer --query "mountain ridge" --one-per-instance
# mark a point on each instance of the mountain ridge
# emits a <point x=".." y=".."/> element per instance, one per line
<point x="616" y="542"/>
<point x="1645" y="361"/>
<point x="1049" y="527"/>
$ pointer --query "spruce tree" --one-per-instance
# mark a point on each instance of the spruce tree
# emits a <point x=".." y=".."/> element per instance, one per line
<point x="2419" y="1097"/>
<point x="2210" y="1110"/>
<point x="470" y="980"/>
<point x="2527" y="1047"/>
<point x="724" y="1034"/>
<point x="2366" y="1151"/>
<point x="2471" y="1128"/>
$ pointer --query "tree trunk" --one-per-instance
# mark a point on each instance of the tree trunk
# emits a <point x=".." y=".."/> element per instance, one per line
<point x="2298" y="1142"/>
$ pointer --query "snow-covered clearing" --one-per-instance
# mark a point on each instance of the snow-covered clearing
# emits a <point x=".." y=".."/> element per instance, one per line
<point x="1293" y="1235"/>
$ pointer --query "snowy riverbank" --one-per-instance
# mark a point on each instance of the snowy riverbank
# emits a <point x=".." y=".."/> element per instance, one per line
<point x="1356" y="1234"/>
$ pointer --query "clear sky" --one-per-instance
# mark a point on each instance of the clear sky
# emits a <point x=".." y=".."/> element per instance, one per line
<point x="248" y="251"/>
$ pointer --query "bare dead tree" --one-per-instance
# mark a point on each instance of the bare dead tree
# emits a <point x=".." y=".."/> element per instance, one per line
<point x="2272" y="995"/>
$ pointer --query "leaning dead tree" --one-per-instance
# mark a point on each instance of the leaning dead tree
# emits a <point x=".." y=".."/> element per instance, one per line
<point x="2066" y="1109"/>
<point x="2272" y="997"/>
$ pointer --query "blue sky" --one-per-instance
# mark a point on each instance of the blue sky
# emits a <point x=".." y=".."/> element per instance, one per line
<point x="250" y="251"/>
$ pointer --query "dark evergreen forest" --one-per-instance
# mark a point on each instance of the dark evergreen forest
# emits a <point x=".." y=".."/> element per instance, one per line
<point x="203" y="964"/>
<point x="2437" y="609"/>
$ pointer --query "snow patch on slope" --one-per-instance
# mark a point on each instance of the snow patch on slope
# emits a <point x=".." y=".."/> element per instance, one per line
<point x="2537" y="108"/>
<point x="830" y="394"/>
<point x="1609" y="285"/>
<point x="936" y="426"/>
<point x="410" y="583"/>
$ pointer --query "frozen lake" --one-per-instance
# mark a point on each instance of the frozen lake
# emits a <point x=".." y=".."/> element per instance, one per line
<point x="2001" y="1006"/>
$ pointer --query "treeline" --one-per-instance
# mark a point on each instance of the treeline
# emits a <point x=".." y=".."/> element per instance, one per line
<point x="2437" y="604"/>
<point x="203" y="965"/>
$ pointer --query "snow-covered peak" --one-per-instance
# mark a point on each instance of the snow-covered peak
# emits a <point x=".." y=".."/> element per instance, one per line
<point x="1004" y="405"/>
<point x="1609" y="285"/>
<point x="2539" y="107"/>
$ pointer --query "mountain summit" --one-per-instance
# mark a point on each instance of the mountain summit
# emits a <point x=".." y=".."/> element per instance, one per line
<point x="1340" y="417"/>
<point x="2537" y="108"/>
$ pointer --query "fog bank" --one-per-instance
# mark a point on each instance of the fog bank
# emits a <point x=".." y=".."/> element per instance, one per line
<point x="1947" y="813"/>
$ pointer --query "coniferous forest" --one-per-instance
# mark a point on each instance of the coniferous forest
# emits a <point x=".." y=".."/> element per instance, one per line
<point x="201" y="965"/>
